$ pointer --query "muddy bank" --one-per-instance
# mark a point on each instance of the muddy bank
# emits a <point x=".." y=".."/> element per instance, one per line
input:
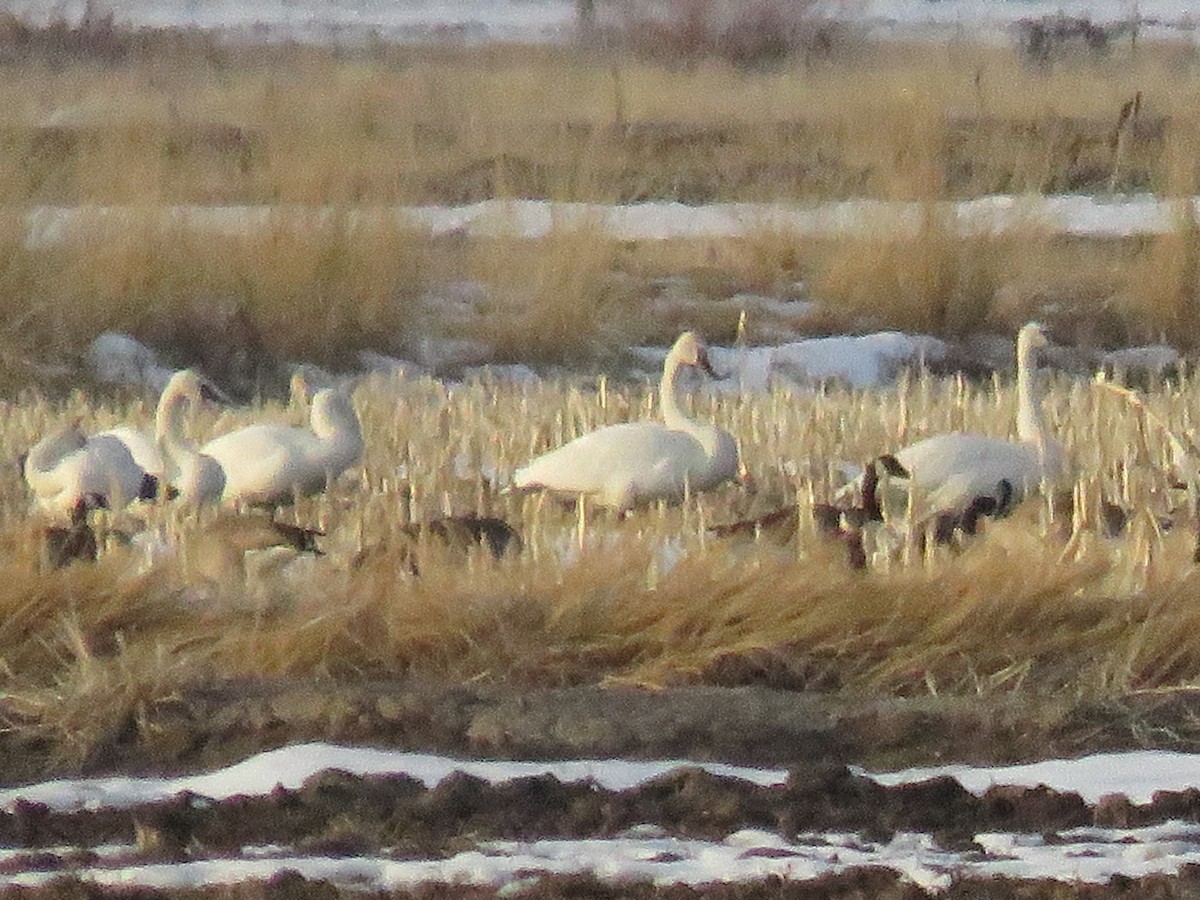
<point x="750" y="725"/>
<point x="339" y="815"/>
<point x="858" y="884"/>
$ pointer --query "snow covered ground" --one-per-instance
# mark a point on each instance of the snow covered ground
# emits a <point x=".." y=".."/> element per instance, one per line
<point x="1082" y="854"/>
<point x="1078" y="215"/>
<point x="550" y="20"/>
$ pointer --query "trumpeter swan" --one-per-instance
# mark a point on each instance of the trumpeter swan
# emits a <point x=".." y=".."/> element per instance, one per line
<point x="146" y="447"/>
<point x="67" y="467"/>
<point x="952" y="470"/>
<point x="197" y="478"/>
<point x="271" y="464"/>
<point x="636" y="462"/>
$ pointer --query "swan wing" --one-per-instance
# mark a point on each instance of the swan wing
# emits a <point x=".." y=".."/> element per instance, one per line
<point x="109" y="469"/>
<point x="635" y="461"/>
<point x="953" y="469"/>
<point x="259" y="462"/>
<point x="101" y="467"/>
<point x="141" y="445"/>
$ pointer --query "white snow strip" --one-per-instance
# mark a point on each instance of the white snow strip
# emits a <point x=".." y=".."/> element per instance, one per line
<point x="1092" y="855"/>
<point x="1137" y="775"/>
<point x="291" y="766"/>
<point x="473" y="21"/>
<point x="1079" y="215"/>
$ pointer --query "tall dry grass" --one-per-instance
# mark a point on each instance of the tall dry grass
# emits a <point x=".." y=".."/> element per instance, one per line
<point x="169" y="121"/>
<point x="1034" y="606"/>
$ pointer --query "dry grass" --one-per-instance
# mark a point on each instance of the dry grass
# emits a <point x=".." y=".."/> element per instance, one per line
<point x="158" y="120"/>
<point x="1027" y="608"/>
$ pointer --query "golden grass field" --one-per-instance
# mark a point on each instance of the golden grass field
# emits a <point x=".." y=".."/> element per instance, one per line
<point x="1030" y="609"/>
<point x="174" y="120"/>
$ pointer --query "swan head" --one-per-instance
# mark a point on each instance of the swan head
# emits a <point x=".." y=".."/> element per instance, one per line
<point x="1032" y="336"/>
<point x="192" y="385"/>
<point x="690" y="350"/>
<point x="333" y="412"/>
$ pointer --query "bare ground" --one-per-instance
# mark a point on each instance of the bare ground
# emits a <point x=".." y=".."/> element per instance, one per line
<point x="815" y="736"/>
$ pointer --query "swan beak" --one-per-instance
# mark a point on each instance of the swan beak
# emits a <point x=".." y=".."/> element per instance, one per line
<point x="705" y="366"/>
<point x="212" y="394"/>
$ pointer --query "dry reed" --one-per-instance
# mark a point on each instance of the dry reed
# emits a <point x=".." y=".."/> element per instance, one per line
<point x="177" y="122"/>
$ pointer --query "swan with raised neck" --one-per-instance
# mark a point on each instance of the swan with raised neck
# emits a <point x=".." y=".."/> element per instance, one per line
<point x="197" y="477"/>
<point x="637" y="462"/>
<point x="955" y="469"/>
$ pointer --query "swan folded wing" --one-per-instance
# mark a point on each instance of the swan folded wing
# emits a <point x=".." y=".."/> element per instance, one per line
<point x="101" y="468"/>
<point x="142" y="446"/>
<point x="624" y="464"/>
<point x="261" y="463"/>
<point x="954" y="469"/>
<point x="200" y="479"/>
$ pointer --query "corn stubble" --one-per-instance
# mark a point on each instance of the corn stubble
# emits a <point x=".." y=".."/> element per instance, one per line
<point x="1041" y="603"/>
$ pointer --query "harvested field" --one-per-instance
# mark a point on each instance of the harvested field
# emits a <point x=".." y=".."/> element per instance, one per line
<point x="1066" y="628"/>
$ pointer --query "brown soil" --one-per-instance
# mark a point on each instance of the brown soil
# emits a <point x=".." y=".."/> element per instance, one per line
<point x="747" y="724"/>
<point x="814" y="736"/>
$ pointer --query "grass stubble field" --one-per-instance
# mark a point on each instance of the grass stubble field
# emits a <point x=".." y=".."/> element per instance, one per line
<point x="1037" y="613"/>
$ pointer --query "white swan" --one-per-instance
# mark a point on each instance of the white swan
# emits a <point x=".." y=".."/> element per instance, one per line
<point x="271" y="464"/>
<point x="196" y="477"/>
<point x="146" y="446"/>
<point x="953" y="470"/>
<point x="142" y="447"/>
<point x="636" y="462"/>
<point x="67" y="468"/>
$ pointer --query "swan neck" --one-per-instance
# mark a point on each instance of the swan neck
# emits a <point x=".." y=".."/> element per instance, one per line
<point x="169" y="424"/>
<point x="335" y="423"/>
<point x="673" y="413"/>
<point x="1029" y="417"/>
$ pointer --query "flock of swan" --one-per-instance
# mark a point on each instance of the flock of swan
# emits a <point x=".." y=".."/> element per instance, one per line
<point x="620" y="466"/>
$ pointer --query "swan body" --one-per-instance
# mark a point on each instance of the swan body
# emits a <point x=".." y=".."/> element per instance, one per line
<point x="955" y="469"/>
<point x="271" y="464"/>
<point x="142" y="446"/>
<point x="951" y="470"/>
<point x="637" y="462"/>
<point x="67" y="468"/>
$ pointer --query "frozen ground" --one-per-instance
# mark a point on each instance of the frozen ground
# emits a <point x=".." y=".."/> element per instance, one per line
<point x="1077" y="215"/>
<point x="549" y="20"/>
<point x="1075" y="854"/>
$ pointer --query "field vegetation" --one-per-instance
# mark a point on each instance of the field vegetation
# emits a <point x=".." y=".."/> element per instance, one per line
<point x="146" y="121"/>
<point x="1044" y="606"/>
